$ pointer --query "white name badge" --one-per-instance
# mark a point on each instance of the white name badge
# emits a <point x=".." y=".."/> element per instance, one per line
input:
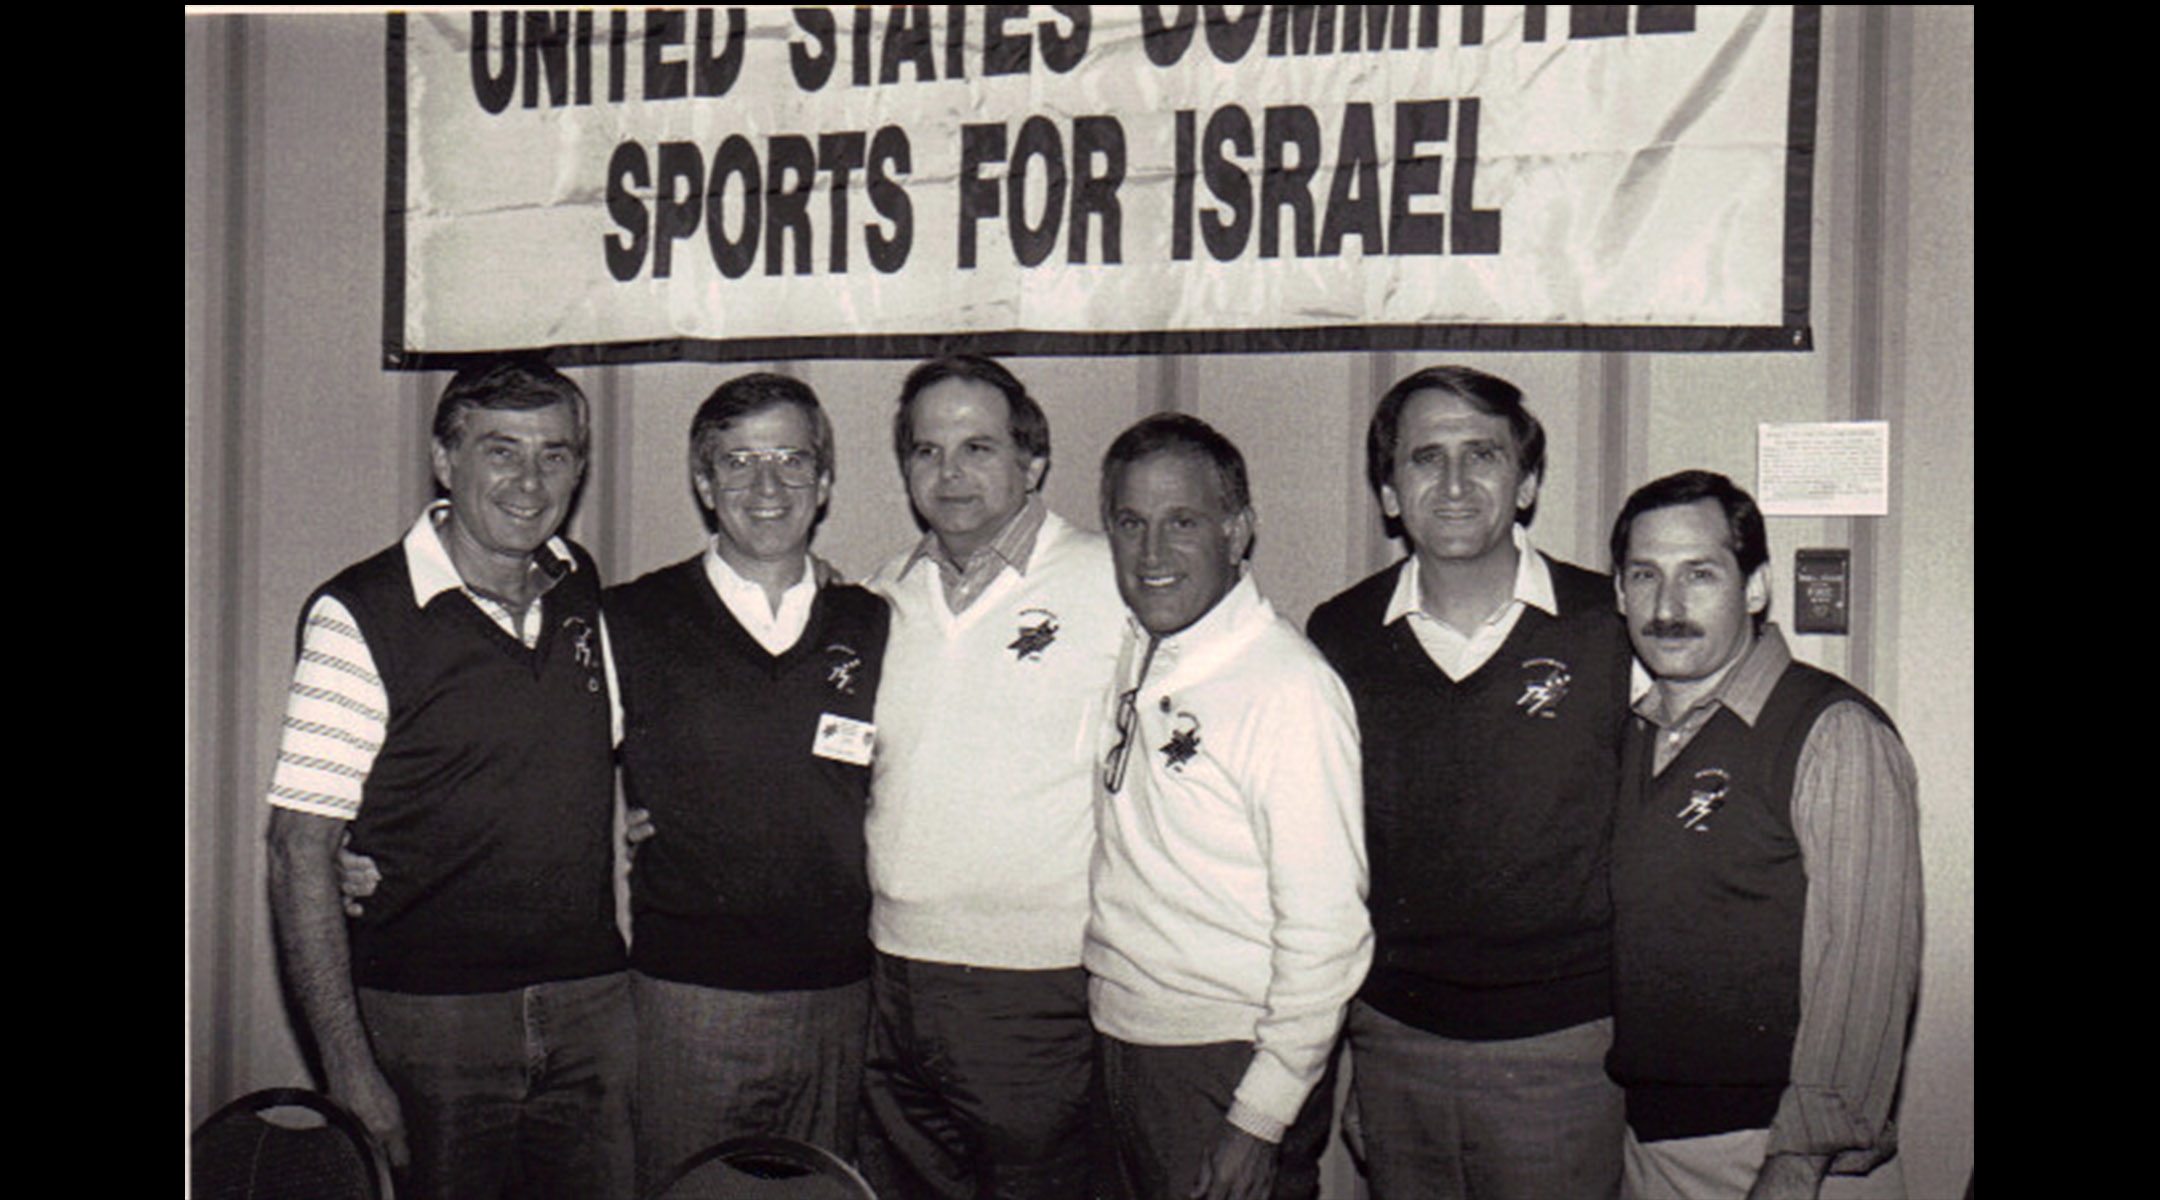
<point x="844" y="739"/>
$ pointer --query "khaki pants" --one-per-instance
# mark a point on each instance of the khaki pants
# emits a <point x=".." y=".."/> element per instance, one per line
<point x="1725" y="1164"/>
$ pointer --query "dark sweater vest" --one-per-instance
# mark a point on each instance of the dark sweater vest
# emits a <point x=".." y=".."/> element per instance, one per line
<point x="754" y="879"/>
<point x="1710" y="893"/>
<point x="1488" y="808"/>
<point x="490" y="808"/>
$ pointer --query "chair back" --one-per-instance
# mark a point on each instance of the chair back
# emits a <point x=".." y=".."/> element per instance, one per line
<point x="286" y="1144"/>
<point x="759" y="1167"/>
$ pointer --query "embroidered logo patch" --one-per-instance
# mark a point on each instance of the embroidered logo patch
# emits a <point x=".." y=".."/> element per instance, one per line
<point x="1545" y="688"/>
<point x="1184" y="743"/>
<point x="580" y="633"/>
<point x="1708" y="797"/>
<point x="845" y="663"/>
<point x="581" y="637"/>
<point x="1036" y="638"/>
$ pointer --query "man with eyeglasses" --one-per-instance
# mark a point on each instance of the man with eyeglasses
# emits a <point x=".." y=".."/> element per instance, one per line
<point x="1229" y="928"/>
<point x="748" y="689"/>
<point x="1005" y="631"/>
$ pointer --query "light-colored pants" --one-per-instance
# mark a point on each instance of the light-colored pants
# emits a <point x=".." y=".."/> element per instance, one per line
<point x="1725" y="1165"/>
<point x="1528" y="1118"/>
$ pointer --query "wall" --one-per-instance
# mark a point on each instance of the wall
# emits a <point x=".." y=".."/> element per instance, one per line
<point x="303" y="455"/>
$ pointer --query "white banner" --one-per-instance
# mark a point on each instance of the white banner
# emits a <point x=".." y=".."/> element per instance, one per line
<point x="751" y="182"/>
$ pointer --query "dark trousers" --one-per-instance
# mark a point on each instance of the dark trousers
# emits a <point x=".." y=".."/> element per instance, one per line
<point x="1169" y="1104"/>
<point x="523" y="1093"/>
<point x="714" y="1063"/>
<point x="977" y="1082"/>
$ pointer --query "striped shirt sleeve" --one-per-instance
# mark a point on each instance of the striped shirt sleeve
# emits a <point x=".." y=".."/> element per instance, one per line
<point x="1855" y="811"/>
<point x="336" y="713"/>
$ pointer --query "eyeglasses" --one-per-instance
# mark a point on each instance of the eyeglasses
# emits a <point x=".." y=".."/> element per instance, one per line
<point x="1128" y="719"/>
<point x="1128" y="723"/>
<point x="736" y="470"/>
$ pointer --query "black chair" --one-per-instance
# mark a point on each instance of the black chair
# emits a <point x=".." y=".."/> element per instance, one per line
<point x="753" y="1167"/>
<point x="286" y="1144"/>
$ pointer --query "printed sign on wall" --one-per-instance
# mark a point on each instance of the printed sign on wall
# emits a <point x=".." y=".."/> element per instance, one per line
<point x="888" y="181"/>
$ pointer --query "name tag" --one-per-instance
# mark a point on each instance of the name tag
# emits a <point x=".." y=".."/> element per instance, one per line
<point x="844" y="739"/>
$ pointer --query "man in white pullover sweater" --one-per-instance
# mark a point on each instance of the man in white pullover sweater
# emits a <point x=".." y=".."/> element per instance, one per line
<point x="1229" y="928"/>
<point x="1005" y="632"/>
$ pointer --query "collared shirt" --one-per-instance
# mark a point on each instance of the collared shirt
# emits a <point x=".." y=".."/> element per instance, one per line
<point x="965" y="582"/>
<point x="427" y="560"/>
<point x="1855" y="813"/>
<point x="776" y="629"/>
<point x="1459" y="655"/>
<point x="1745" y="690"/>
<point x="337" y="712"/>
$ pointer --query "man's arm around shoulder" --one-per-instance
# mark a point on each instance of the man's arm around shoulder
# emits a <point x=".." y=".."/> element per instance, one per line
<point x="312" y="946"/>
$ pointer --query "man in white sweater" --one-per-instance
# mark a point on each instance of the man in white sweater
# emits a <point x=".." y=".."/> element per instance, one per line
<point x="1229" y="928"/>
<point x="1005" y="632"/>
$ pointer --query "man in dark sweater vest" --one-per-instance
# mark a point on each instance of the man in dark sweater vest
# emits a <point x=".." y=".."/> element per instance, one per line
<point x="450" y="711"/>
<point x="1766" y="879"/>
<point x="1490" y="683"/>
<point x="747" y="707"/>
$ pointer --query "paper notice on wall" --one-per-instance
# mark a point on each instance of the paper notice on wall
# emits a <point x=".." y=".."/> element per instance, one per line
<point x="1823" y="469"/>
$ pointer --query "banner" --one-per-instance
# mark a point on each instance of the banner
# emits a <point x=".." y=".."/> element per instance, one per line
<point x="759" y="182"/>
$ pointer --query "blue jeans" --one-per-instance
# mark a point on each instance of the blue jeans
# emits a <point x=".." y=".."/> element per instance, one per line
<point x="1530" y="1117"/>
<point x="524" y="1093"/>
<point x="1169" y="1104"/>
<point x="978" y="1082"/>
<point x="713" y="1063"/>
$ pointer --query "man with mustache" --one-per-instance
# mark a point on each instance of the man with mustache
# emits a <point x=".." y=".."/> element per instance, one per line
<point x="1765" y="880"/>
<point x="1490" y="681"/>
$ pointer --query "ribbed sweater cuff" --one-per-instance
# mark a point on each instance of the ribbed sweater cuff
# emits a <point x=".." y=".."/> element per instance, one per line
<point x="1257" y="1123"/>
